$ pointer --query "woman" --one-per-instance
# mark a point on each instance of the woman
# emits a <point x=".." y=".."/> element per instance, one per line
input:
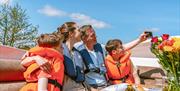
<point x="74" y="76"/>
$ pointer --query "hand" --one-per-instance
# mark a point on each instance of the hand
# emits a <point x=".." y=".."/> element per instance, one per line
<point x="102" y="72"/>
<point x="97" y="70"/>
<point x="26" y="61"/>
<point x="43" y="63"/>
<point x="143" y="37"/>
<point x="46" y="67"/>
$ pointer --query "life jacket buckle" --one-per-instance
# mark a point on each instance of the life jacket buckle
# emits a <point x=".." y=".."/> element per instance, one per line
<point x="118" y="64"/>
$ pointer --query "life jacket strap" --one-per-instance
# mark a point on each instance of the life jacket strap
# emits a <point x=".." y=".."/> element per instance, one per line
<point x="96" y="70"/>
<point x="55" y="83"/>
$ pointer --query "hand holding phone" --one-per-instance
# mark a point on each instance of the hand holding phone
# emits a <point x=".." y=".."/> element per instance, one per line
<point x="149" y="34"/>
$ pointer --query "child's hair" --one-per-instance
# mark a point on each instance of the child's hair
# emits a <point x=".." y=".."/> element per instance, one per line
<point x="83" y="30"/>
<point x="112" y="44"/>
<point x="65" y="29"/>
<point x="49" y="40"/>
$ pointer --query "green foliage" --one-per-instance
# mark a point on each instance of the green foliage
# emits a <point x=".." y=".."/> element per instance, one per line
<point x="15" y="29"/>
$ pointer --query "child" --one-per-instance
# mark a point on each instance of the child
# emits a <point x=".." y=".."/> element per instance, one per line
<point x="119" y="66"/>
<point x="49" y="46"/>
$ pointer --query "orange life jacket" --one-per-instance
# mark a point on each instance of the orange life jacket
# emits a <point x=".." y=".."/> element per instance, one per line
<point x="120" y="71"/>
<point x="33" y="71"/>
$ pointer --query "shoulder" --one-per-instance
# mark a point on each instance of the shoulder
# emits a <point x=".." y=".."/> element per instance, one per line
<point x="79" y="46"/>
<point x="103" y="47"/>
<point x="36" y="48"/>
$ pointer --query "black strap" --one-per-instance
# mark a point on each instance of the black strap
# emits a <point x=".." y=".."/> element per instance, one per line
<point x="55" y="83"/>
<point x="123" y="79"/>
<point x="118" y="64"/>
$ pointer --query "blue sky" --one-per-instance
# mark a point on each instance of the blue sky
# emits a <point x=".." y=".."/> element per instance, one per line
<point x="122" y="19"/>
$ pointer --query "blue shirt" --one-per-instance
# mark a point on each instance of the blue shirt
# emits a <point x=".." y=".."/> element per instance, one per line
<point x="93" y="78"/>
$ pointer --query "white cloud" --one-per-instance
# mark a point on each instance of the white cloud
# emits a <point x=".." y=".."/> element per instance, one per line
<point x="152" y="29"/>
<point x="5" y="1"/>
<point x="81" y="19"/>
<point x="155" y="29"/>
<point x="84" y="19"/>
<point x="51" y="11"/>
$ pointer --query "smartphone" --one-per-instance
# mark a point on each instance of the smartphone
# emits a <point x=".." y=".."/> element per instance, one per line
<point x="149" y="34"/>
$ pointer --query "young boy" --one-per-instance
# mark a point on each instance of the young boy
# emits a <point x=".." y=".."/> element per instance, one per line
<point x="49" y="48"/>
<point x="119" y="66"/>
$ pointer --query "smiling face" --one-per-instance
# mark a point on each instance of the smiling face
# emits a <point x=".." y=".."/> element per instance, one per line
<point x="119" y="51"/>
<point x="88" y="35"/>
<point x="91" y="36"/>
<point x="115" y="48"/>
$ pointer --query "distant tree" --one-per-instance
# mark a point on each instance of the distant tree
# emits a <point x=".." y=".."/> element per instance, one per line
<point x="15" y="29"/>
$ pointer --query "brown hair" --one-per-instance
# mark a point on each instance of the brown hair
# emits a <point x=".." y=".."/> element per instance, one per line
<point x="49" y="40"/>
<point x="65" y="29"/>
<point x="112" y="45"/>
<point x="84" y="29"/>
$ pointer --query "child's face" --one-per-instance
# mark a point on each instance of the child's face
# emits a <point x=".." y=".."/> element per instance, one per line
<point x="119" y="51"/>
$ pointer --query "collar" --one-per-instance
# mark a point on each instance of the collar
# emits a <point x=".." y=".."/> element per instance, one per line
<point x="76" y="45"/>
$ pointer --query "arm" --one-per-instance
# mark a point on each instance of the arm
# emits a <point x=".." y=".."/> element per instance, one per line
<point x="134" y="43"/>
<point x="42" y="62"/>
<point x="43" y="84"/>
<point x="27" y="61"/>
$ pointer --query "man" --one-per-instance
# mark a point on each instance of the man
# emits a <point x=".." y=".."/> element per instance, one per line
<point x="93" y="57"/>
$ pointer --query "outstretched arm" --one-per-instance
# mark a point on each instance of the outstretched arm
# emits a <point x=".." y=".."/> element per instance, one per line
<point x="134" y="43"/>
